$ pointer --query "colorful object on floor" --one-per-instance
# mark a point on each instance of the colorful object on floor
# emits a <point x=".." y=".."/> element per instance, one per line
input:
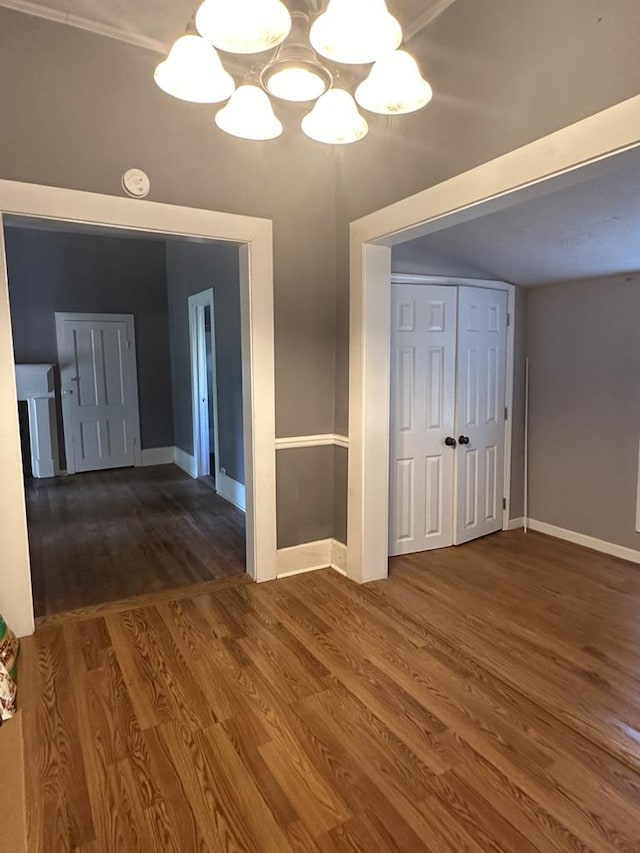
<point x="8" y="668"/>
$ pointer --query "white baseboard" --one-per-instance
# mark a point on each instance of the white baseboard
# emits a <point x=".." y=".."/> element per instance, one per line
<point x="158" y="456"/>
<point x="516" y="523"/>
<point x="339" y="556"/>
<point x="311" y="556"/>
<point x="227" y="488"/>
<point x="185" y="461"/>
<point x="586" y="541"/>
<point x="231" y="491"/>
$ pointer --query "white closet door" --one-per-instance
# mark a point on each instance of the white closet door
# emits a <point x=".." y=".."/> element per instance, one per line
<point x="423" y="352"/>
<point x="100" y="393"/>
<point x="480" y="411"/>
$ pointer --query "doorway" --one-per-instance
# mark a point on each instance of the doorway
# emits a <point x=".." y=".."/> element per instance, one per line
<point x="254" y="241"/>
<point x="448" y="414"/>
<point x="217" y="433"/>
<point x="99" y="527"/>
<point x="204" y="384"/>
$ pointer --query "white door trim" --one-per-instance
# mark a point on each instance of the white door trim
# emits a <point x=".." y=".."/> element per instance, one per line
<point x="61" y="318"/>
<point x="534" y="170"/>
<point x="201" y="300"/>
<point x="255" y="237"/>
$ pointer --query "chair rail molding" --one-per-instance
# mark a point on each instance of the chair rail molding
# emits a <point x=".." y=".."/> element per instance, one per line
<point x="325" y="440"/>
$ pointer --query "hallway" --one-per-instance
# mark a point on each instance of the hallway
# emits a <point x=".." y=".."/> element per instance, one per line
<point x="113" y="535"/>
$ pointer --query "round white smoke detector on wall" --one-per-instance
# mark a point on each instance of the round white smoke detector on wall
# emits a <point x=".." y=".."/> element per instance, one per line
<point x="136" y="183"/>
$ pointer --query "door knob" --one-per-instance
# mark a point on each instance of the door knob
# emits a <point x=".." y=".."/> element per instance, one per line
<point x="450" y="441"/>
<point x="464" y="439"/>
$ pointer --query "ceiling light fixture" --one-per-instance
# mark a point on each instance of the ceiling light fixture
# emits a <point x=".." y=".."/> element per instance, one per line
<point x="349" y="31"/>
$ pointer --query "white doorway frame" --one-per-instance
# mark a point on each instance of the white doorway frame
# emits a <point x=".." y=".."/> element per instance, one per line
<point x="255" y="238"/>
<point x="61" y="319"/>
<point x="510" y="289"/>
<point x="544" y="166"/>
<point x="199" y="382"/>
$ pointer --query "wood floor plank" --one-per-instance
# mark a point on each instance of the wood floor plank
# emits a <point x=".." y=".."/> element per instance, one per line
<point x="62" y="766"/>
<point x="484" y="698"/>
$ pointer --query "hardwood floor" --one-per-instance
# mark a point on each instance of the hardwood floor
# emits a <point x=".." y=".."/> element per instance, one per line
<point x="484" y="698"/>
<point x="113" y="535"/>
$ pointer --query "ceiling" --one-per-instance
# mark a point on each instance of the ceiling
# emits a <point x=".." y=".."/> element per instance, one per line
<point x="155" y="24"/>
<point x="587" y="230"/>
<point x="157" y="20"/>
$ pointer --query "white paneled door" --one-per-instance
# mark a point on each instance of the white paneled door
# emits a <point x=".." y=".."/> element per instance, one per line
<point x="480" y="411"/>
<point x="448" y="377"/>
<point x="98" y="377"/>
<point x="423" y="355"/>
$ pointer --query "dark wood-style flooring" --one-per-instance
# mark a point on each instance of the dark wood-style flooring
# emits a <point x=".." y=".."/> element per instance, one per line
<point x="113" y="535"/>
<point x="485" y="698"/>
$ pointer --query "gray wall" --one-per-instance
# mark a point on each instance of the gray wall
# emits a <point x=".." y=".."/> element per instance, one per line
<point x="517" y="424"/>
<point x="85" y="273"/>
<point x="340" y="477"/>
<point x="584" y="351"/>
<point x="305" y="495"/>
<point x="191" y="268"/>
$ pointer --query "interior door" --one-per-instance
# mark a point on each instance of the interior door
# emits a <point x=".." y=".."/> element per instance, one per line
<point x="423" y="355"/>
<point x="99" y="391"/>
<point x="480" y="411"/>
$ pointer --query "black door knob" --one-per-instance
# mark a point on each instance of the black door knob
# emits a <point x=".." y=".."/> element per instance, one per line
<point x="450" y="441"/>
<point x="464" y="439"/>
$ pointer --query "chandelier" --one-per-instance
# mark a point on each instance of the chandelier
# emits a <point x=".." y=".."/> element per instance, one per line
<point x="349" y="32"/>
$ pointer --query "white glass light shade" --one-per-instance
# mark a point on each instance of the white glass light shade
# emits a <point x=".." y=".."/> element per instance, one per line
<point x="355" y="31"/>
<point x="335" y="119"/>
<point x="193" y="72"/>
<point x="394" y="86"/>
<point x="249" y="115"/>
<point x="296" y="83"/>
<point x="243" y="26"/>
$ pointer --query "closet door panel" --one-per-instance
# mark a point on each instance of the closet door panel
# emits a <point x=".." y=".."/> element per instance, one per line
<point x="480" y="411"/>
<point x="423" y="356"/>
